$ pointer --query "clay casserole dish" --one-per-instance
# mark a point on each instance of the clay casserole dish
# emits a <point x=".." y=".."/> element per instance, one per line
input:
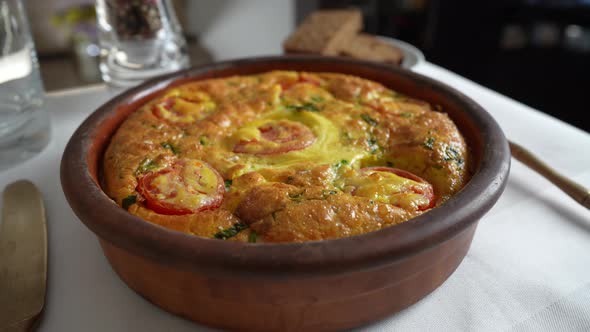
<point x="318" y="285"/>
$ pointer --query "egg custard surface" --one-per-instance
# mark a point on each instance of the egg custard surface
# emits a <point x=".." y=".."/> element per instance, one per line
<point x="284" y="156"/>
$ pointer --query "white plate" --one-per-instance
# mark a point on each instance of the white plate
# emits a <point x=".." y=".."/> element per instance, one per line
<point x="412" y="55"/>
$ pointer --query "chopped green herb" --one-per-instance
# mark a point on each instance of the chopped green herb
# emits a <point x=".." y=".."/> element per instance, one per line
<point x="327" y="192"/>
<point x="146" y="165"/>
<point x="405" y="114"/>
<point x="317" y="99"/>
<point x="347" y="135"/>
<point x="309" y="107"/>
<point x="160" y="125"/>
<point x="230" y="232"/>
<point x="296" y="197"/>
<point x="228" y="183"/>
<point x="452" y="154"/>
<point x="203" y="140"/>
<point x="429" y="143"/>
<point x="128" y="201"/>
<point x="373" y="146"/>
<point x="340" y="164"/>
<point x="170" y="147"/>
<point x="253" y="237"/>
<point x="368" y="119"/>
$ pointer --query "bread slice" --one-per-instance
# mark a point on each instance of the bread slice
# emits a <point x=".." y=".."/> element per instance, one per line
<point x="325" y="32"/>
<point x="368" y="47"/>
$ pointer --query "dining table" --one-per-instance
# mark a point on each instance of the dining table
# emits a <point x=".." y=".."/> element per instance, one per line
<point x="528" y="268"/>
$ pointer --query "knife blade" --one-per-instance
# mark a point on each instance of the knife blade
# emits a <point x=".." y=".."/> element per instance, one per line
<point x="23" y="257"/>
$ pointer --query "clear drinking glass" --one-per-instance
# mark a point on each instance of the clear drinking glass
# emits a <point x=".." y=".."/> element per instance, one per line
<point x="24" y="123"/>
<point x="139" y="39"/>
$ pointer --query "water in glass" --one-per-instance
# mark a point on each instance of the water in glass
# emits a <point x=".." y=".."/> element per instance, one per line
<point x="24" y="123"/>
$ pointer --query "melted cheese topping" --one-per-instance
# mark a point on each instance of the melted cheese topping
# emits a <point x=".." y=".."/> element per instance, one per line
<point x="328" y="147"/>
<point x="390" y="188"/>
<point x="182" y="107"/>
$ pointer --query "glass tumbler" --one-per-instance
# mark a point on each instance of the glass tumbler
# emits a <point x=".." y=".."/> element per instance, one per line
<point x="139" y="39"/>
<point x="24" y="123"/>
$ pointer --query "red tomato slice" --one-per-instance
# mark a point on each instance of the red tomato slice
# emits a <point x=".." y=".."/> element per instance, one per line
<point x="420" y="186"/>
<point x="307" y="78"/>
<point x="188" y="186"/>
<point x="303" y="78"/>
<point x="277" y="137"/>
<point x="287" y="85"/>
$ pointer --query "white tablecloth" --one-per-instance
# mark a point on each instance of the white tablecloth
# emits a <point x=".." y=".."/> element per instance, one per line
<point x="528" y="268"/>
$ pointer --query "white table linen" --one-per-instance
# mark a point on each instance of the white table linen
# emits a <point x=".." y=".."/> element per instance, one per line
<point x="528" y="267"/>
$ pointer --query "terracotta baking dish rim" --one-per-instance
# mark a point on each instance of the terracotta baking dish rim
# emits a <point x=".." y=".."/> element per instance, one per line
<point x="363" y="252"/>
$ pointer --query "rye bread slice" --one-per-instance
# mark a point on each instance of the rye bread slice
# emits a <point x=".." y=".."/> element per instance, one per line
<point x="325" y="32"/>
<point x="368" y="47"/>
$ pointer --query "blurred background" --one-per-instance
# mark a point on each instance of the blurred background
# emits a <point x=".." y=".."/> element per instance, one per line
<point x="535" y="51"/>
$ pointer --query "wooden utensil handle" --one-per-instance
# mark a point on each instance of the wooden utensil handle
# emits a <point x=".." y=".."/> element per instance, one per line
<point x="573" y="189"/>
<point x="24" y="326"/>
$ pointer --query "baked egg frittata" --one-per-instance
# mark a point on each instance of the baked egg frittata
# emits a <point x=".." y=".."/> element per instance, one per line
<point x="284" y="156"/>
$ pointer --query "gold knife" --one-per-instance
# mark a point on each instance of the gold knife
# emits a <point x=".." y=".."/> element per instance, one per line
<point x="23" y="257"/>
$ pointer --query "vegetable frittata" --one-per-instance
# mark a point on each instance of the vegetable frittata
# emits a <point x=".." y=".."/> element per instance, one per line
<point x="284" y="156"/>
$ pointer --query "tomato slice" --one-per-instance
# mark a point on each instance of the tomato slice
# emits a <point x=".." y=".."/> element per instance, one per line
<point x="277" y="137"/>
<point x="187" y="186"/>
<point x="394" y="186"/>
<point x="307" y="78"/>
<point x="182" y="110"/>
<point x="303" y="78"/>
